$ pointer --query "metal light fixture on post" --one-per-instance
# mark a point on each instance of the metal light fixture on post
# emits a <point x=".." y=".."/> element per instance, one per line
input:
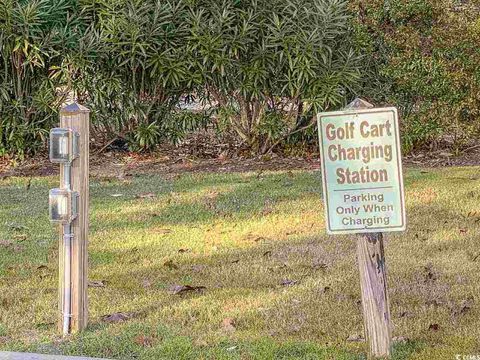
<point x="63" y="206"/>
<point x="68" y="206"/>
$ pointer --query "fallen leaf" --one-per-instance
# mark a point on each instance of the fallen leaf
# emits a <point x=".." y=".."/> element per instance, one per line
<point x="18" y="248"/>
<point x="320" y="265"/>
<point x="44" y="325"/>
<point x="180" y="289"/>
<point x="146" y="341"/>
<point x="287" y="282"/>
<point x="149" y="195"/>
<point x="223" y="155"/>
<point x="433" y="302"/>
<point x="4" y="339"/>
<point x="267" y="210"/>
<point x="170" y="264"/>
<point x="228" y="324"/>
<point x="17" y="227"/>
<point x="430" y="274"/>
<point x="162" y="231"/>
<point x="198" y="268"/>
<point x="117" y="317"/>
<point x="97" y="283"/>
<point x="5" y="243"/>
<point x="434" y="327"/>
<point x="355" y="338"/>
<point x="464" y="307"/>
<point x="399" y="339"/>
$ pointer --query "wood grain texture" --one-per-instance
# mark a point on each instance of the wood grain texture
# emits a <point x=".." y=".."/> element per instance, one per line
<point x="373" y="283"/>
<point x="76" y="117"/>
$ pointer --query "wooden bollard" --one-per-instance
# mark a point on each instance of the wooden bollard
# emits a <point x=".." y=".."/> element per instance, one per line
<point x="76" y="117"/>
<point x="373" y="284"/>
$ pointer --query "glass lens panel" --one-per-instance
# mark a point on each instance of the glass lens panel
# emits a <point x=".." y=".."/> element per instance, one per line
<point x="60" y="145"/>
<point x="59" y="206"/>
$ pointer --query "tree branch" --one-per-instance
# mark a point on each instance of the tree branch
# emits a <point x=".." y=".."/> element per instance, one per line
<point x="312" y="122"/>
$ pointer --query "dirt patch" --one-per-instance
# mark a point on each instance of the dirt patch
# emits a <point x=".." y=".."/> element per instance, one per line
<point x="120" y="164"/>
<point x="174" y="161"/>
<point x="441" y="158"/>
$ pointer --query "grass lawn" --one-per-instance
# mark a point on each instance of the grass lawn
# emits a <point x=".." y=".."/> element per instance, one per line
<point x="276" y="286"/>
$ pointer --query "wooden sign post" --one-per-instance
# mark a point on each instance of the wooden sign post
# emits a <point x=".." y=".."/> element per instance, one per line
<point x="373" y="284"/>
<point x="76" y="117"/>
<point x="363" y="194"/>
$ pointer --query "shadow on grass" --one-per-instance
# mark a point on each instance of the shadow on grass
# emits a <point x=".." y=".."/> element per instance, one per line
<point x="323" y="305"/>
<point x="248" y="197"/>
<point x="268" y="281"/>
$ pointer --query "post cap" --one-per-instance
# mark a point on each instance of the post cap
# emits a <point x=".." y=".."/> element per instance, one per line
<point x="358" y="104"/>
<point x="73" y="108"/>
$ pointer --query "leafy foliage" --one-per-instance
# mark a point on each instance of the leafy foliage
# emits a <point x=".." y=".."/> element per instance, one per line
<point x="423" y="57"/>
<point x="34" y="38"/>
<point x="263" y="66"/>
<point x="140" y="67"/>
<point x="266" y="63"/>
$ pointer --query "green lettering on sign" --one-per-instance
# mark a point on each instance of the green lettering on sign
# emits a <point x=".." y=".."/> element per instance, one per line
<point x="362" y="171"/>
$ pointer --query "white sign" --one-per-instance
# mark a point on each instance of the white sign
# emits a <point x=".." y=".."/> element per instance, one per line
<point x="362" y="171"/>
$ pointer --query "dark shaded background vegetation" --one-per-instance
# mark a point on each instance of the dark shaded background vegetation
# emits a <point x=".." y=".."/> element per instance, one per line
<point x="256" y="71"/>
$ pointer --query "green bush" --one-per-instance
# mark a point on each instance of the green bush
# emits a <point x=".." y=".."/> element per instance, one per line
<point x="423" y="57"/>
<point x="139" y="68"/>
<point x="35" y="37"/>
<point x="265" y="66"/>
<point x="266" y="63"/>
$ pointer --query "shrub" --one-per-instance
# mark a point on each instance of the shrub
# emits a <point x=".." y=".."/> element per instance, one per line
<point x="139" y="69"/>
<point x="423" y="57"/>
<point x="35" y="37"/>
<point x="266" y="63"/>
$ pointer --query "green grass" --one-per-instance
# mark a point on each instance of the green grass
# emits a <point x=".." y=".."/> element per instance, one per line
<point x="244" y="234"/>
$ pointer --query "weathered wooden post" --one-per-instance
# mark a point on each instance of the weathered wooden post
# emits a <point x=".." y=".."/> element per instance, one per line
<point x="69" y="146"/>
<point x="373" y="282"/>
<point x="363" y="193"/>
